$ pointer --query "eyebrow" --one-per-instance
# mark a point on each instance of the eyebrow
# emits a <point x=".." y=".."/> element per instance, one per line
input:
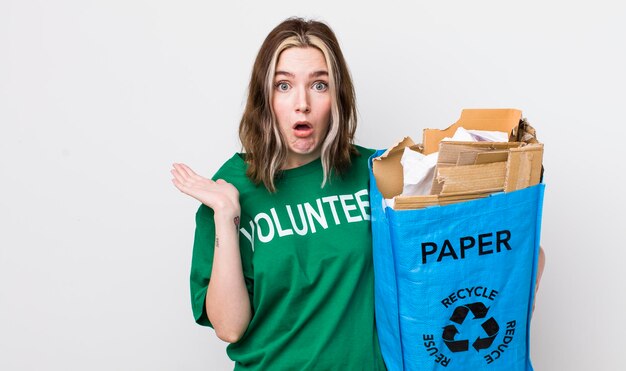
<point x="312" y="74"/>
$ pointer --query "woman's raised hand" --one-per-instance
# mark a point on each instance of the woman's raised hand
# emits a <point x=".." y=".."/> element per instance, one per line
<point x="219" y="195"/>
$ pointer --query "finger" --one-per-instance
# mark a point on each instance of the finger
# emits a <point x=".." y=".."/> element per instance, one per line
<point x="179" y="178"/>
<point x="178" y="185"/>
<point x="182" y="174"/>
<point x="184" y="171"/>
<point x="188" y="170"/>
<point x="221" y="181"/>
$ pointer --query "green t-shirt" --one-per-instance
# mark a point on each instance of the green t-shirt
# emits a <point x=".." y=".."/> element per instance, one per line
<point x="307" y="262"/>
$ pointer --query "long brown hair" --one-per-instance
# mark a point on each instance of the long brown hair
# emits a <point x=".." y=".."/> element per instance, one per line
<point x="266" y="150"/>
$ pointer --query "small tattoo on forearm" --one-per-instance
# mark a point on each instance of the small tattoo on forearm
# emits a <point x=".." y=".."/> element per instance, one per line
<point x="217" y="242"/>
<point x="236" y="220"/>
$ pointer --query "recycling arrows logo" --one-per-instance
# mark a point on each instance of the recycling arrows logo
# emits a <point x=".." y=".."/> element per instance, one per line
<point x="490" y="327"/>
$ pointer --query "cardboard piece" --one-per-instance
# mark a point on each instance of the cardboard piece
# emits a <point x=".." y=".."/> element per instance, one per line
<point x="452" y="154"/>
<point x="467" y="170"/>
<point x="523" y="167"/>
<point x="388" y="166"/>
<point x="474" y="119"/>
<point x="419" y="202"/>
<point x="459" y="180"/>
<point x="489" y="157"/>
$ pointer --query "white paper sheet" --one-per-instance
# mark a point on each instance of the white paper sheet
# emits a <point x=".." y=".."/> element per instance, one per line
<point x="419" y="171"/>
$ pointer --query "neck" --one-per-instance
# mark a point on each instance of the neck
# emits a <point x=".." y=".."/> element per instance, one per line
<point x="293" y="162"/>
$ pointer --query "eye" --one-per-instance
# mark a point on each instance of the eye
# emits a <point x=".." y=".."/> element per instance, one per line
<point x="320" y="86"/>
<point x="282" y="86"/>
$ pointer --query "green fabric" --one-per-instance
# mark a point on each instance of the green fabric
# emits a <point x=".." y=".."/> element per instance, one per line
<point x="311" y="283"/>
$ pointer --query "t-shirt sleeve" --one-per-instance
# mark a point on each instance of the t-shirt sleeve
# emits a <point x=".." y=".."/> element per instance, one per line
<point x="202" y="263"/>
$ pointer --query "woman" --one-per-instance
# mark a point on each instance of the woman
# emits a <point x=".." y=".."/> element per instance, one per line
<point x="282" y="264"/>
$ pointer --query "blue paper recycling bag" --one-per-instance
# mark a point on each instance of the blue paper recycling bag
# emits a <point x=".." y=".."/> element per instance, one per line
<point x="454" y="284"/>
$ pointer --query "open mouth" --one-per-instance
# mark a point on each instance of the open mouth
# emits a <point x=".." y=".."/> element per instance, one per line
<point x="302" y="125"/>
<point x="302" y="128"/>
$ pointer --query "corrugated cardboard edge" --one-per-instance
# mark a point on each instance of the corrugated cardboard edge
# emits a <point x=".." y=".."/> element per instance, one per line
<point x="524" y="133"/>
<point x="523" y="168"/>
<point x="420" y="202"/>
<point x="388" y="169"/>
<point x="506" y="119"/>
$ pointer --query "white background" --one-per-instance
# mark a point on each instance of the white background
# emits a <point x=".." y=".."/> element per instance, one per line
<point x="99" y="98"/>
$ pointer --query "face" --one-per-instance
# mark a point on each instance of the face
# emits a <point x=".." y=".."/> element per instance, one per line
<point x="301" y="103"/>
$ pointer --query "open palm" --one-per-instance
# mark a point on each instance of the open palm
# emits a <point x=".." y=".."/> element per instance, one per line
<point x="219" y="195"/>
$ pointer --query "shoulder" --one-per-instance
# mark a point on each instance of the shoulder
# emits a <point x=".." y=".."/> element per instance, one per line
<point x="358" y="163"/>
<point x="232" y="170"/>
<point x="364" y="151"/>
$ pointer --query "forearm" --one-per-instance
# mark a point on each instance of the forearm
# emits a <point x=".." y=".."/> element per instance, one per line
<point x="227" y="301"/>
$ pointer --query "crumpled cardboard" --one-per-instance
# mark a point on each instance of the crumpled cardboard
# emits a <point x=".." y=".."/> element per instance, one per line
<point x="467" y="170"/>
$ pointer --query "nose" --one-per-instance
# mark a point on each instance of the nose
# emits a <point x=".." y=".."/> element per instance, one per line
<point x="302" y="102"/>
